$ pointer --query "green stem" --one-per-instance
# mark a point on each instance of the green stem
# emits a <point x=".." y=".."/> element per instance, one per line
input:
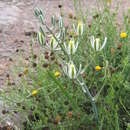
<point x="87" y="93"/>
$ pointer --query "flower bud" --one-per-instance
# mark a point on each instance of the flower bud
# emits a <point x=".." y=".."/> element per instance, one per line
<point x="40" y="38"/>
<point x="80" y="28"/>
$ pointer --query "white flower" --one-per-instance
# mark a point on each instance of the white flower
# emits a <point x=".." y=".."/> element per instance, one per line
<point x="80" y="28"/>
<point x="53" y="44"/>
<point x="71" y="71"/>
<point x="96" y="43"/>
<point x="71" y="48"/>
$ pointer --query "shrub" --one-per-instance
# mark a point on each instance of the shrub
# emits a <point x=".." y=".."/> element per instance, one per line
<point x="80" y="80"/>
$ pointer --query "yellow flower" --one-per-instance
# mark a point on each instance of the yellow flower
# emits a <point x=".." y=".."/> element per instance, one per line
<point x="123" y="35"/>
<point x="57" y="74"/>
<point x="34" y="92"/>
<point x="98" y="68"/>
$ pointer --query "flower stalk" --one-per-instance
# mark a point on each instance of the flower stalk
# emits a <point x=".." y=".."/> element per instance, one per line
<point x="87" y="93"/>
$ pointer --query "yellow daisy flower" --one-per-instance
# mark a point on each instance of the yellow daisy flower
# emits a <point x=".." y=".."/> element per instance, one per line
<point x="98" y="68"/>
<point x="34" y="92"/>
<point x="123" y="35"/>
<point x="57" y="74"/>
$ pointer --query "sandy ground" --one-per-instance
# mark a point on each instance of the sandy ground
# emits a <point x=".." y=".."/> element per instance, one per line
<point x="17" y="23"/>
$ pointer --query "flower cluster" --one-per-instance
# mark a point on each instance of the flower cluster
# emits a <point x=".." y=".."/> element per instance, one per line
<point x="69" y="48"/>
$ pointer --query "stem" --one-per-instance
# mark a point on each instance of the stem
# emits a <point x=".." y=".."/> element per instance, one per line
<point x="86" y="91"/>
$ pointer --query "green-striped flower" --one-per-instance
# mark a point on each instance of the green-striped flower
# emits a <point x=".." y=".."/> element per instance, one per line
<point x="72" y="46"/>
<point x="80" y="28"/>
<point x="71" y="71"/>
<point x="53" y="44"/>
<point x="96" y="45"/>
<point x="40" y="38"/>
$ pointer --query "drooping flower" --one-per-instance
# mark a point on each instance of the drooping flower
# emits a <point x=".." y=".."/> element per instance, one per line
<point x="80" y="28"/>
<point x="53" y="44"/>
<point x="71" y="71"/>
<point x="57" y="74"/>
<point x="96" y="45"/>
<point x="71" y="48"/>
<point x="40" y="38"/>
<point x="34" y="92"/>
<point x="98" y="68"/>
<point x="123" y="35"/>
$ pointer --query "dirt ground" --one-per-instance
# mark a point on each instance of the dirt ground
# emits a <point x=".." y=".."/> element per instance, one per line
<point x="17" y="23"/>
